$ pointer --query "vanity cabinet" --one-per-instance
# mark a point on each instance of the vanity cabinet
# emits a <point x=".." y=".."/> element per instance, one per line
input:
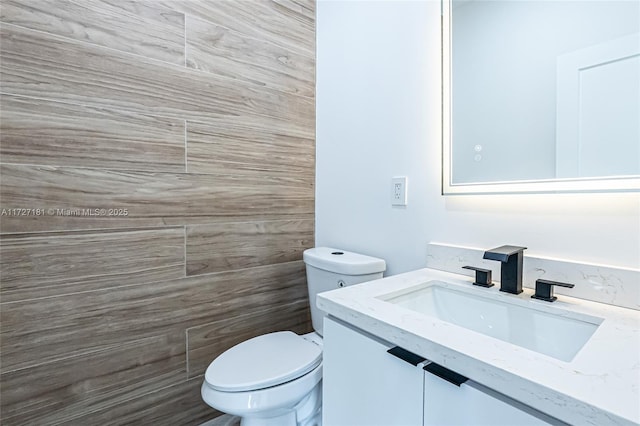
<point x="369" y="382"/>
<point x="470" y="403"/>
<point x="363" y="385"/>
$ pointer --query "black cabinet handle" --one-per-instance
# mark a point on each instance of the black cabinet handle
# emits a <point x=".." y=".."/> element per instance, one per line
<point x="406" y="356"/>
<point x="445" y="373"/>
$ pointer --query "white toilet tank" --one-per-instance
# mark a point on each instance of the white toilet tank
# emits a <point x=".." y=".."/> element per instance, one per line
<point x="329" y="268"/>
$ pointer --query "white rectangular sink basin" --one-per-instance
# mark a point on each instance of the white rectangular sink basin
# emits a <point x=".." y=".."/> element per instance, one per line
<point x="544" y="329"/>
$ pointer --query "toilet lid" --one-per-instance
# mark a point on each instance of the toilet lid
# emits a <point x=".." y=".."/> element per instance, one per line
<point x="264" y="361"/>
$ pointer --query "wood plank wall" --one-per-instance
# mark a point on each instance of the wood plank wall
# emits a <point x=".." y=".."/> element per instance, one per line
<point x="170" y="149"/>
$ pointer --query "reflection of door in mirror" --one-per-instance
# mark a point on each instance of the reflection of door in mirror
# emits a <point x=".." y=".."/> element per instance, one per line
<point x="598" y="108"/>
<point x="506" y="114"/>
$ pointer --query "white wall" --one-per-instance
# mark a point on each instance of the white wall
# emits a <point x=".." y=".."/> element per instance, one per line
<point x="378" y="116"/>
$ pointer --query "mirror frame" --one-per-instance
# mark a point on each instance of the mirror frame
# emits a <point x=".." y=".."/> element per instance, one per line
<point x="605" y="184"/>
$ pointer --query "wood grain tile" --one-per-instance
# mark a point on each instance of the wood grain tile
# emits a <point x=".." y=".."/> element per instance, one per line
<point x="306" y="9"/>
<point x="227" y="246"/>
<point x="140" y="27"/>
<point x="36" y="266"/>
<point x="35" y="131"/>
<point x="44" y="66"/>
<point x="150" y="199"/>
<point x="217" y="49"/>
<point x="177" y="405"/>
<point x="44" y="330"/>
<point x="206" y="342"/>
<point x="215" y="147"/>
<point x="286" y="23"/>
<point x="61" y="390"/>
<point x="96" y="99"/>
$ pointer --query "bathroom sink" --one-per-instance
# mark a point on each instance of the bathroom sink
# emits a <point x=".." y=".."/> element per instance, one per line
<point x="544" y="329"/>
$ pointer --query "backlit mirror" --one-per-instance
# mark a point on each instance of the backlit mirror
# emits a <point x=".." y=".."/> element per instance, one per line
<point x="541" y="95"/>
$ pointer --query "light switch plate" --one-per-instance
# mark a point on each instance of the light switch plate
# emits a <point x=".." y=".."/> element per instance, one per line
<point x="399" y="191"/>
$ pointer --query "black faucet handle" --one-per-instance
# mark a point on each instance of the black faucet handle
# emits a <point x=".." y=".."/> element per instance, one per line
<point x="544" y="289"/>
<point x="483" y="276"/>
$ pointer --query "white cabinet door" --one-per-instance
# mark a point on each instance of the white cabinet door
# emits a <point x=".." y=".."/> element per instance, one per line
<point x="449" y="403"/>
<point x="364" y="385"/>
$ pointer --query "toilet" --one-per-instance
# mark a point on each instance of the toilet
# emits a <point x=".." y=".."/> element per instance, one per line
<point x="276" y="379"/>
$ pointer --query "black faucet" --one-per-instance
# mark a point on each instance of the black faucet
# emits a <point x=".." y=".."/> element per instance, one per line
<point x="511" y="268"/>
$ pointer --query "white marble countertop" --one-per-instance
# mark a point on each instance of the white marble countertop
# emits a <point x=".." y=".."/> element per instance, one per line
<point x="600" y="386"/>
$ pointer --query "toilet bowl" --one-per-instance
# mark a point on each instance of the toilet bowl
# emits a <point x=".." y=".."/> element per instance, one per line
<point x="273" y="379"/>
<point x="276" y="379"/>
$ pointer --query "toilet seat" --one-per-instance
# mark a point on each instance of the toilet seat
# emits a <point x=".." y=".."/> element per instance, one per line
<point x="262" y="362"/>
